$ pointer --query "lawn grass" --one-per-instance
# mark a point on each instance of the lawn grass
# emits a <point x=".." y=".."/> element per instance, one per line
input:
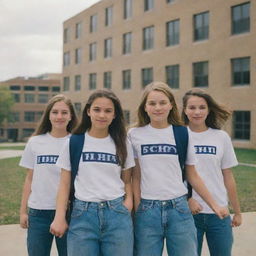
<point x="246" y="155"/>
<point x="12" y="178"/>
<point x="12" y="147"/>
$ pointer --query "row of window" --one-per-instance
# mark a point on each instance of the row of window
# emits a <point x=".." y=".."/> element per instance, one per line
<point x="32" y="98"/>
<point x="34" y="88"/>
<point x="240" y="73"/>
<point x="29" y="116"/>
<point x="201" y="32"/>
<point x="240" y="15"/>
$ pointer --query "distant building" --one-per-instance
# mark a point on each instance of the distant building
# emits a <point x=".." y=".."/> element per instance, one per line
<point x="30" y="95"/>
<point x="126" y="44"/>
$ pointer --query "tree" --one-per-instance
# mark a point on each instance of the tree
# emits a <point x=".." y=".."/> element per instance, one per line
<point x="6" y="103"/>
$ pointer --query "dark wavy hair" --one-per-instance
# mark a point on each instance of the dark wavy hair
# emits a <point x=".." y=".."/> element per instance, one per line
<point x="218" y="114"/>
<point x="45" y="125"/>
<point x="143" y="118"/>
<point x="116" y="129"/>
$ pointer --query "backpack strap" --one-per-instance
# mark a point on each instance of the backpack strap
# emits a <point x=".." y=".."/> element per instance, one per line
<point x="76" y="145"/>
<point x="181" y="139"/>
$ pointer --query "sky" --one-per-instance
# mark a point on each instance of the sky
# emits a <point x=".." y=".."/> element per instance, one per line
<point x="31" y="35"/>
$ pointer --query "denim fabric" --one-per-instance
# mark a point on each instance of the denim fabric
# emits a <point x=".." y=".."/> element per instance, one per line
<point x="171" y="220"/>
<point x="218" y="234"/>
<point x="103" y="229"/>
<point x="39" y="239"/>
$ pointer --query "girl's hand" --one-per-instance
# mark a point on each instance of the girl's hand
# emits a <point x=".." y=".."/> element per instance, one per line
<point x="128" y="204"/>
<point x="58" y="227"/>
<point x="24" y="220"/>
<point x="194" y="206"/>
<point x="221" y="212"/>
<point x="237" y="220"/>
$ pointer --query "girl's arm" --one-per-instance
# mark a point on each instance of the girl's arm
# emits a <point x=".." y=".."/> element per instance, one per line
<point x="24" y="200"/>
<point x="136" y="177"/>
<point x="126" y="177"/>
<point x="197" y="183"/>
<point x="230" y="185"/>
<point x="59" y="224"/>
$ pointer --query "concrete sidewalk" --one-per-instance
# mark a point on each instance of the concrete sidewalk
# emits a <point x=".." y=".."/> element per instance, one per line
<point x="13" y="239"/>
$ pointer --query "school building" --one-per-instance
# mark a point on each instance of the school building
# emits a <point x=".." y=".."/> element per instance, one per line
<point x="126" y="44"/>
<point x="31" y="95"/>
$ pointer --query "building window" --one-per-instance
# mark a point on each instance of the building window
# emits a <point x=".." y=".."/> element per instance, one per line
<point x="77" y="83"/>
<point x="107" y="80"/>
<point x="78" y="30"/>
<point x="66" y="83"/>
<point x="16" y="97"/>
<point x="38" y="115"/>
<point x="108" y="48"/>
<point x="240" y="71"/>
<point x="127" y="43"/>
<point x="78" y="55"/>
<point x="127" y="79"/>
<point x="29" y="116"/>
<point x="29" y="98"/>
<point x="55" y="89"/>
<point x="146" y="76"/>
<point x="27" y="132"/>
<point x="241" y="125"/>
<point x="200" y="74"/>
<point x="29" y="88"/>
<point x="201" y="26"/>
<point x="66" y="35"/>
<point x="148" y="5"/>
<point x="240" y="18"/>
<point x="148" y="38"/>
<point x="92" y="81"/>
<point x="172" y="32"/>
<point x="93" y="23"/>
<point x="15" y="87"/>
<point x="126" y="116"/>
<point x="92" y="51"/>
<point x="78" y="107"/>
<point x="127" y="9"/>
<point x="66" y="59"/>
<point x="43" y="98"/>
<point x="172" y="76"/>
<point x="14" y="117"/>
<point x="43" y="88"/>
<point x="170" y="1"/>
<point x="109" y="16"/>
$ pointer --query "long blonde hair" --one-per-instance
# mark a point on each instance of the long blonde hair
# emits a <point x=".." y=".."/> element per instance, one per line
<point x="143" y="118"/>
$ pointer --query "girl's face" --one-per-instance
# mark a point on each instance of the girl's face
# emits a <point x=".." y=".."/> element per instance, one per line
<point x="158" y="107"/>
<point x="60" y="116"/>
<point x="102" y="113"/>
<point x="196" y="111"/>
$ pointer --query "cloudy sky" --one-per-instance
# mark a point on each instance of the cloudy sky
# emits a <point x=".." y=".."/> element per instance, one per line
<point x="31" y="35"/>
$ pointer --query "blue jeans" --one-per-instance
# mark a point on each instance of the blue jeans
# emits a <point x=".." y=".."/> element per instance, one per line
<point x="171" y="220"/>
<point x="39" y="239"/>
<point x="103" y="228"/>
<point x="218" y="234"/>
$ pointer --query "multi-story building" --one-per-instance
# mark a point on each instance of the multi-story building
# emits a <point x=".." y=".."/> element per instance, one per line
<point x="126" y="44"/>
<point x="30" y="96"/>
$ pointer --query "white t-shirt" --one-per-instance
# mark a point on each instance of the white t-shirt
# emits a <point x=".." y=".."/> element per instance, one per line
<point x="99" y="174"/>
<point x="214" y="152"/>
<point x="161" y="175"/>
<point x="40" y="155"/>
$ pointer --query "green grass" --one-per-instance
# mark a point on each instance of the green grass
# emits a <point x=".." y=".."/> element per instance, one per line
<point x="12" y="178"/>
<point x="12" y="147"/>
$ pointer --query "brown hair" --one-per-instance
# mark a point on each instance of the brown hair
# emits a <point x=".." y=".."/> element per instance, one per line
<point x="116" y="129"/>
<point x="143" y="118"/>
<point x="45" y="125"/>
<point x="218" y="114"/>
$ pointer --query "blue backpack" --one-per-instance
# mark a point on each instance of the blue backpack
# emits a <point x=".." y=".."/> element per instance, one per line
<point x="77" y="142"/>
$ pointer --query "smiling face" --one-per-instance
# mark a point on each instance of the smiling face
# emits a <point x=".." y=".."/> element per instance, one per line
<point x="101" y="113"/>
<point x="196" y="111"/>
<point x="59" y="116"/>
<point x="158" y="107"/>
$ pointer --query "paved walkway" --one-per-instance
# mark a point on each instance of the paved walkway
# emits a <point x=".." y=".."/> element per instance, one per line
<point x="13" y="239"/>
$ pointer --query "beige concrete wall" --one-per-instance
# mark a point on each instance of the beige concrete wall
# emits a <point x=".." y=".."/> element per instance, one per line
<point x="218" y="50"/>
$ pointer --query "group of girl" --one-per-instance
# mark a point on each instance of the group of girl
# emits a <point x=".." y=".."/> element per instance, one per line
<point x="143" y="171"/>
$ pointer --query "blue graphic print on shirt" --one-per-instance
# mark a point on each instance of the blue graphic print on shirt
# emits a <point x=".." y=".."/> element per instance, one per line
<point x="47" y="159"/>
<point x="99" y="157"/>
<point x="204" y="149"/>
<point x="158" y="149"/>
